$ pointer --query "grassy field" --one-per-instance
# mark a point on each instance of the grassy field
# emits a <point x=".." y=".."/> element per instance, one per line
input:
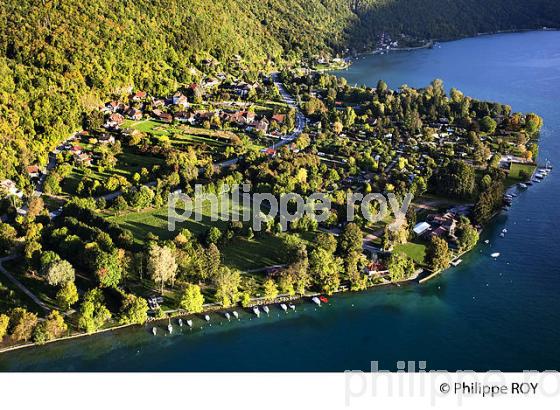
<point x="416" y="251"/>
<point x="241" y="253"/>
<point x="515" y="169"/>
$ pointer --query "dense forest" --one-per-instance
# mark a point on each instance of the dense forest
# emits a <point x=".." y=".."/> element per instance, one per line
<point x="61" y="58"/>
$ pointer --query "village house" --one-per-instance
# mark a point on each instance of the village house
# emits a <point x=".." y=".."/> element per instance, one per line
<point x="114" y="120"/>
<point x="133" y="114"/>
<point x="106" y="139"/>
<point x="139" y="95"/>
<point x="33" y="171"/>
<point x="279" y="118"/>
<point x="185" y="116"/>
<point x="157" y="103"/>
<point x="180" y="99"/>
<point x="83" y="159"/>
<point x="112" y="106"/>
<point x="261" y="125"/>
<point x="8" y="188"/>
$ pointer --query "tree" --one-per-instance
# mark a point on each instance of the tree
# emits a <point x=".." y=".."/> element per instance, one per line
<point x="487" y="124"/>
<point x="93" y="312"/>
<point x="325" y="268"/>
<point x="270" y="290"/>
<point x="227" y="284"/>
<point x="8" y="236"/>
<point x="438" y="255"/>
<point x="400" y="267"/>
<point x="352" y="263"/>
<point x="457" y="180"/>
<point x="286" y="283"/>
<point x="162" y="266"/>
<point x="108" y="268"/>
<point x="192" y="299"/>
<point x="212" y="262"/>
<point x="60" y="272"/>
<point x="22" y="323"/>
<point x="51" y="328"/>
<point x="326" y="241"/>
<point x="134" y="310"/>
<point x="4" y="322"/>
<point x="351" y="239"/>
<point x="213" y="236"/>
<point x="67" y="296"/>
<point x="338" y="127"/>
<point x="467" y="235"/>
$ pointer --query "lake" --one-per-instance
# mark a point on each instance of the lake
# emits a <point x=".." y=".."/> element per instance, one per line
<point x="484" y="314"/>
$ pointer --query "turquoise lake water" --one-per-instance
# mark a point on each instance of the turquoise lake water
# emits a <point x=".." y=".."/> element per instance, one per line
<point x="485" y="314"/>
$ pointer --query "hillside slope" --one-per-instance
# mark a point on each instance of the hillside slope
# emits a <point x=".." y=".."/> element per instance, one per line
<point x="60" y="58"/>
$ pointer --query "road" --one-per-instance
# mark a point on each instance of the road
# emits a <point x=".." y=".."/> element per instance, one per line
<point x="19" y="284"/>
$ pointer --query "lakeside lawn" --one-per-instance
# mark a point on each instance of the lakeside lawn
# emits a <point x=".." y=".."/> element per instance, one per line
<point x="516" y="170"/>
<point x="241" y="253"/>
<point x="414" y="250"/>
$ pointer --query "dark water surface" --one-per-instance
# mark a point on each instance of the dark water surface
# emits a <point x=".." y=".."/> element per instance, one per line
<point x="485" y="314"/>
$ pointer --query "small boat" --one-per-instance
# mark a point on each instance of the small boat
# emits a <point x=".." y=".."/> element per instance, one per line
<point x="256" y="311"/>
<point x="180" y="321"/>
<point x="266" y="310"/>
<point x="487" y="241"/>
<point x="207" y="318"/>
<point x="495" y="254"/>
<point x="316" y="300"/>
<point x="235" y="314"/>
<point x="189" y="323"/>
<point x="502" y="235"/>
<point x="284" y="307"/>
<point x="170" y="328"/>
<point x="323" y="299"/>
<point x="504" y="230"/>
<point x="522" y="185"/>
<point x="228" y="317"/>
<point x="292" y="306"/>
<point x="154" y="330"/>
<point x="529" y="183"/>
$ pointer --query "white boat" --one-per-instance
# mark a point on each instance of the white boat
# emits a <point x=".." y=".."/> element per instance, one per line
<point x="189" y="322"/>
<point x="502" y="235"/>
<point x="284" y="307"/>
<point x="154" y="330"/>
<point x="256" y="311"/>
<point x="228" y="317"/>
<point x="316" y="300"/>
<point x="292" y="306"/>
<point x="235" y="314"/>
<point x="170" y="328"/>
<point x="207" y="318"/>
<point x="266" y="310"/>
<point x="180" y="322"/>
<point x="495" y="254"/>
<point x="487" y="241"/>
<point x="522" y="185"/>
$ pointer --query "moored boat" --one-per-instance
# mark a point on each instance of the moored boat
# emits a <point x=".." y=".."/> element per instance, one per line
<point x="256" y="311"/>
<point x="316" y="300"/>
<point x="495" y="254"/>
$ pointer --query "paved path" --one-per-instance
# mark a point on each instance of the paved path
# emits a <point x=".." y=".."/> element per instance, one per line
<point x="19" y="284"/>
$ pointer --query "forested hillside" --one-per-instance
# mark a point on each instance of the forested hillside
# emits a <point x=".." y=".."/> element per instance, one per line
<point x="60" y="58"/>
